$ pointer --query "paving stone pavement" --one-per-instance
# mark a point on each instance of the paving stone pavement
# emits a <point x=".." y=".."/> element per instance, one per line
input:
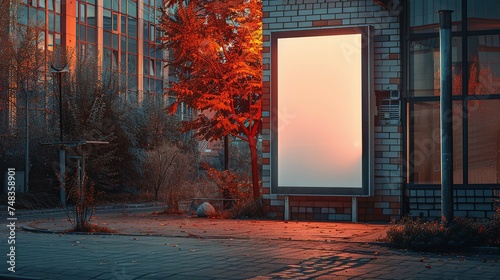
<point x="226" y="249"/>
<point x="121" y="257"/>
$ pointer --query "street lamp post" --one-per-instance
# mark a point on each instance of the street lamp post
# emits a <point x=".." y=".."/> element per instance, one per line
<point x="62" y="153"/>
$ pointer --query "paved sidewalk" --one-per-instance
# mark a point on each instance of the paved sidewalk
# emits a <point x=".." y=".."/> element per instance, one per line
<point x="144" y="222"/>
<point x="176" y="247"/>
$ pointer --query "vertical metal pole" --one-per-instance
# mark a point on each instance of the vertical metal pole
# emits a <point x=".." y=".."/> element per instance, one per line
<point x="62" y="152"/>
<point x="78" y="211"/>
<point x="354" y="210"/>
<point x="82" y="184"/>
<point x="62" y="171"/>
<point x="59" y="79"/>
<point x="446" y="116"/>
<point x="287" y="208"/>
<point x="27" y="161"/>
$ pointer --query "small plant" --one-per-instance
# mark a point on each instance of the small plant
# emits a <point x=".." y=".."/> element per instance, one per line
<point x="92" y="229"/>
<point x="80" y="199"/>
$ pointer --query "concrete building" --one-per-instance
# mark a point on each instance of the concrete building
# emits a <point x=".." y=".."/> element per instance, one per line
<point x="120" y="34"/>
<point x="397" y="45"/>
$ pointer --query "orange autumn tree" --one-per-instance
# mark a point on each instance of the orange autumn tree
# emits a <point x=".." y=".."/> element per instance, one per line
<point x="215" y="65"/>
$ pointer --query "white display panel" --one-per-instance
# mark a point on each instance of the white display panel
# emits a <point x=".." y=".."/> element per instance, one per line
<point x="321" y="126"/>
<point x="320" y="86"/>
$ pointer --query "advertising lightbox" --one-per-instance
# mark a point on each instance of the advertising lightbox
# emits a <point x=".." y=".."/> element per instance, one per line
<point x="321" y="112"/>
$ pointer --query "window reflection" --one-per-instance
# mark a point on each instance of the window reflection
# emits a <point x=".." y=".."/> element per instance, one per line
<point x="107" y="24"/>
<point x="424" y="15"/>
<point x="483" y="14"/>
<point x="483" y="78"/>
<point x="484" y="141"/>
<point x="91" y="20"/>
<point x="484" y="64"/>
<point x="425" y="156"/>
<point x="424" y="67"/>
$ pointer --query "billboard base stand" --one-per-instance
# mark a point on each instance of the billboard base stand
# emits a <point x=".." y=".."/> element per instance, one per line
<point x="287" y="208"/>
<point x="354" y="211"/>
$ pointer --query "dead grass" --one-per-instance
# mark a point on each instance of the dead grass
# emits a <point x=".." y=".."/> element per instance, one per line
<point x="92" y="229"/>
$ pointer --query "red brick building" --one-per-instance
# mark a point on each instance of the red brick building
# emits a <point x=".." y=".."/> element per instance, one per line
<point x="398" y="48"/>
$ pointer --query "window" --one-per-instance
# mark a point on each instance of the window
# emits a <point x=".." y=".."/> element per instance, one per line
<point x="152" y="68"/>
<point x="115" y="22"/>
<point x="484" y="141"/>
<point x="51" y="22"/>
<point x="107" y="20"/>
<point x="424" y="16"/>
<point x="132" y="8"/>
<point x="475" y="92"/>
<point x="82" y="12"/>
<point x="91" y="20"/>
<point x="132" y="27"/>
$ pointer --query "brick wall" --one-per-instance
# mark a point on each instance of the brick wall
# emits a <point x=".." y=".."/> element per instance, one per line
<point x="281" y="15"/>
<point x="477" y="203"/>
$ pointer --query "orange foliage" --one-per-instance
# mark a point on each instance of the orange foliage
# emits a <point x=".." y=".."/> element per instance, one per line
<point x="481" y="81"/>
<point x="215" y="61"/>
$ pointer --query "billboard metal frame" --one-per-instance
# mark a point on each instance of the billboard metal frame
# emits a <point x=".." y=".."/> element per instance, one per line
<point x="367" y="164"/>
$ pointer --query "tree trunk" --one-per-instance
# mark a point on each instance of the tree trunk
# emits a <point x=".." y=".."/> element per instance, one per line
<point x="172" y="203"/>
<point x="252" y="143"/>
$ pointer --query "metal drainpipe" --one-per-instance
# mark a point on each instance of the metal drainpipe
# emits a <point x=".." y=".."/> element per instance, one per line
<point x="446" y="116"/>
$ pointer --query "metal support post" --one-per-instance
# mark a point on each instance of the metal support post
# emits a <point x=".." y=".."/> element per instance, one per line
<point x="354" y="210"/>
<point x="446" y="116"/>
<point x="287" y="208"/>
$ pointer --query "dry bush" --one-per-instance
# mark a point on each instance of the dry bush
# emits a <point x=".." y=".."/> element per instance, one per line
<point x="80" y="202"/>
<point x="169" y="170"/>
<point x="239" y="187"/>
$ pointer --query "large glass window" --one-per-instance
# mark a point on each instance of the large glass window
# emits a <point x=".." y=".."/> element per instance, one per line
<point x="476" y="91"/>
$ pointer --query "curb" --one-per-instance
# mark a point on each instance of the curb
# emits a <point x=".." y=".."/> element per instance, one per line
<point x="15" y="277"/>
<point x="97" y="209"/>
<point x="472" y="250"/>
<point x="48" y="231"/>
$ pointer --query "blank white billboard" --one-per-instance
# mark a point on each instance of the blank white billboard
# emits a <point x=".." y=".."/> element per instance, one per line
<point x="317" y="113"/>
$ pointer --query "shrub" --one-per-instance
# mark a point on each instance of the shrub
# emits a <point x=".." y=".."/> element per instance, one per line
<point x="439" y="237"/>
<point x="492" y="231"/>
<point x="238" y="187"/>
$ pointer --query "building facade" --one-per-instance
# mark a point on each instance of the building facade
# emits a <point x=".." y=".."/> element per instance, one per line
<point x="119" y="34"/>
<point x="404" y="139"/>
